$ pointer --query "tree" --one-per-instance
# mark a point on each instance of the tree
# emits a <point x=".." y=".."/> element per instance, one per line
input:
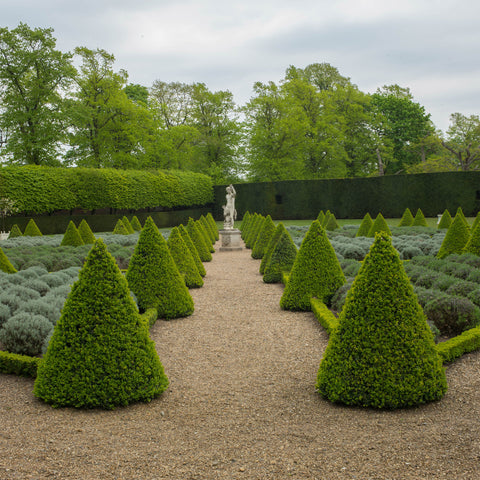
<point x="463" y="141"/>
<point x="399" y="122"/>
<point x="107" y="128"/>
<point x="215" y="118"/>
<point x="33" y="76"/>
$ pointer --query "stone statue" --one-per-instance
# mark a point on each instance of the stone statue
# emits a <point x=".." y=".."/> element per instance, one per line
<point x="229" y="212"/>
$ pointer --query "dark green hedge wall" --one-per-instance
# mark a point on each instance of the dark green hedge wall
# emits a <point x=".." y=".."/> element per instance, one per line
<point x="353" y="198"/>
<point x="47" y="189"/>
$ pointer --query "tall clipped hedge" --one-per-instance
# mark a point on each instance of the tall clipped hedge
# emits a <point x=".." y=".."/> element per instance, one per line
<point x="40" y="189"/>
<point x="316" y="272"/>
<point x="100" y="354"/>
<point x="382" y="353"/>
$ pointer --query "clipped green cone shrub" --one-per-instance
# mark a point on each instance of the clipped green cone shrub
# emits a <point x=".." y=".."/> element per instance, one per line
<point x="15" y="231"/>
<point x="283" y="256"/>
<point x="321" y="217"/>
<point x="208" y="228"/>
<point x="193" y="250"/>
<point x="72" y="236"/>
<point x="277" y="233"/>
<point x="5" y="264"/>
<point x="128" y="225"/>
<point x="247" y="218"/>
<point x="456" y="237"/>
<point x="365" y="226"/>
<point x="86" y="233"/>
<point x="462" y="216"/>
<point x="31" y="230"/>
<point x="183" y="259"/>
<point x="473" y="243"/>
<point x="213" y="226"/>
<point x="407" y="219"/>
<point x="331" y="223"/>
<point x="476" y="222"/>
<point x="100" y="354"/>
<point x="419" y="220"/>
<point x="445" y="221"/>
<point x="254" y="231"/>
<point x="263" y="238"/>
<point x="199" y="241"/>
<point x="382" y="353"/>
<point x="379" y="225"/>
<point x="326" y="218"/>
<point x="135" y="223"/>
<point x="316" y="272"/>
<point x="120" y="228"/>
<point x="154" y="278"/>
<point x="206" y="236"/>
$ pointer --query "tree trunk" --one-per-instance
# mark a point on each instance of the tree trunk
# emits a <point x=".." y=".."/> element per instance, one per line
<point x="381" y="168"/>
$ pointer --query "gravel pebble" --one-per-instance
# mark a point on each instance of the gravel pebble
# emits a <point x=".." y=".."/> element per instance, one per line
<point x="242" y="405"/>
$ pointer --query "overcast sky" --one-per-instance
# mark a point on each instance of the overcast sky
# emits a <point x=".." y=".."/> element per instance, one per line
<point x="430" y="46"/>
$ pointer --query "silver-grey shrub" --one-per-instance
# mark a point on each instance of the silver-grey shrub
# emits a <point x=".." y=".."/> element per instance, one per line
<point x="25" y="333"/>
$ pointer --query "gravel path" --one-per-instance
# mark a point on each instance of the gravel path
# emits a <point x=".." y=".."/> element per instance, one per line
<point x="242" y="405"/>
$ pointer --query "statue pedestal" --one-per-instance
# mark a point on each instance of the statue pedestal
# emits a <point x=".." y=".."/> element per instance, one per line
<point x="231" y="240"/>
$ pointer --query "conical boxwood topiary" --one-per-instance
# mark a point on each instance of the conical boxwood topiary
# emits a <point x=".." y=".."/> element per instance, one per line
<point x="331" y="223"/>
<point x="316" y="272"/>
<point x="31" y="230"/>
<point x="379" y="225"/>
<point x="407" y="219"/>
<point x="250" y="227"/>
<point x="282" y="259"/>
<point x="154" y="278"/>
<point x="245" y="224"/>
<point x="382" y="353"/>
<point x="100" y="354"/>
<point x="72" y="236"/>
<point x="128" y="225"/>
<point x="476" y="221"/>
<point x="326" y="218"/>
<point x="120" y="228"/>
<point x="277" y="233"/>
<point x="183" y="259"/>
<point x="206" y="236"/>
<point x="456" y="237"/>
<point x="321" y="217"/>
<point x="208" y="229"/>
<point x="365" y="226"/>
<point x="199" y="241"/>
<point x="253" y="231"/>
<point x="15" y="231"/>
<point x="213" y="224"/>
<point x="193" y="250"/>
<point x="135" y="223"/>
<point x="5" y="264"/>
<point x="86" y="232"/>
<point x="473" y="244"/>
<point x="419" y="220"/>
<point x="462" y="216"/>
<point x="445" y="221"/>
<point x="263" y="237"/>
